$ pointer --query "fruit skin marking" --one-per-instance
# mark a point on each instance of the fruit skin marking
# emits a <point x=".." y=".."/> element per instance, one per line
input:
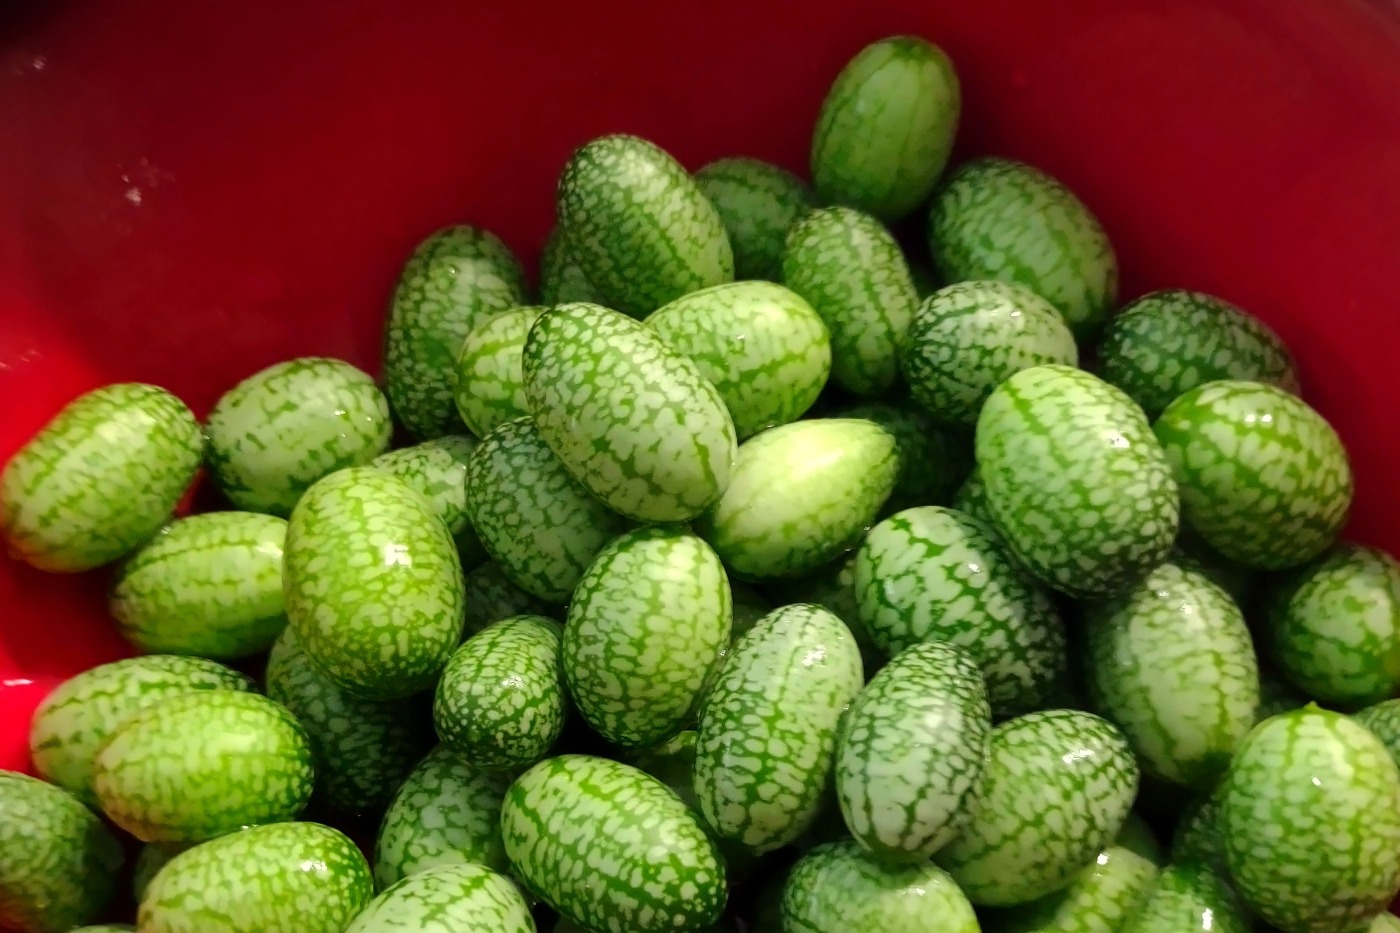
<point x="438" y="470"/>
<point x="758" y="203"/>
<point x="1190" y="897"/>
<point x="448" y="899"/>
<point x="490" y="384"/>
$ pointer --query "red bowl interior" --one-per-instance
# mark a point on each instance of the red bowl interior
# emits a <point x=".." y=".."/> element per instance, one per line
<point x="190" y="191"/>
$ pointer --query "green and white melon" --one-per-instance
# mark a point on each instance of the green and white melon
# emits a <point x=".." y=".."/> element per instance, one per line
<point x="1187" y="898"/>
<point x="1383" y="719"/>
<point x="490" y="385"/>
<point x="491" y="597"/>
<point x="438" y="470"/>
<point x="1099" y="900"/>
<point x="832" y="586"/>
<point x="561" y="278"/>
<point x="934" y="460"/>
<point x="757" y="202"/>
<point x="448" y="899"/>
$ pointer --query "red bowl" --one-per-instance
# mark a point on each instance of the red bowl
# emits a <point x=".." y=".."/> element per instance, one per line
<point x="190" y="191"/>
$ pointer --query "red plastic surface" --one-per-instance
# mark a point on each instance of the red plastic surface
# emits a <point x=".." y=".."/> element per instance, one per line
<point x="190" y="191"/>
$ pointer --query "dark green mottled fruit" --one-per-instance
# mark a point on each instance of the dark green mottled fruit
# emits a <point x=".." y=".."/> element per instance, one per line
<point x="373" y="584"/>
<point x="361" y="749"/>
<point x="612" y="848"/>
<point x="1334" y="627"/>
<point x="490" y="384"/>
<point x="1167" y="343"/>
<point x="73" y="721"/>
<point x="438" y="470"/>
<point x="886" y="127"/>
<point x="1188" y="898"/>
<point x="833" y="587"/>
<point x="288" y="876"/>
<point x="758" y="202"/>
<point x="638" y="227"/>
<point x="1264" y="479"/>
<point x="491" y="597"/>
<point x="1311" y="819"/>
<point x="1099" y="900"/>
<point x="454" y="280"/>
<point x="838" y="888"/>
<point x="448" y="899"/>
<point x="1200" y="835"/>
<point x="1057" y="789"/>
<point x="99" y="479"/>
<point x="1000" y="219"/>
<point x="58" y="862"/>
<point x="561" y="279"/>
<point x="202" y="764"/>
<point x="1078" y="486"/>
<point x="934" y="460"/>
<point x="1383" y="720"/>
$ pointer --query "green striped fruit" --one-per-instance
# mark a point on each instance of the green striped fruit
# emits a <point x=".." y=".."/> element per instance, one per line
<point x="58" y="862"/>
<point x="1264" y="479"/>
<point x="1078" y="486"/>
<point x="447" y="812"/>
<point x="491" y="597"/>
<point x="454" y="280"/>
<point x="73" y="721"/>
<point x="287" y="876"/>
<point x="635" y="421"/>
<point x="561" y="278"/>
<point x="638" y="227"/>
<point x="851" y="270"/>
<point x="933" y="574"/>
<point x="757" y="202"/>
<point x="490" y="385"/>
<point x="1311" y="817"/>
<point x="968" y="338"/>
<point x="1099" y="900"/>
<point x="202" y="764"/>
<point x="886" y="127"/>
<point x="1383" y="719"/>
<point x="934" y="460"/>
<point x="207" y="585"/>
<point x="361" y="750"/>
<point x="284" y="427"/>
<point x="448" y="899"/>
<point x="500" y="703"/>
<point x="910" y="752"/>
<point x="1187" y="898"/>
<point x="838" y="888"/>
<point x="438" y="470"/>
<point x="760" y="345"/>
<point x="768" y="727"/>
<point x="540" y="525"/>
<point x="372" y="582"/>
<point x="1334" y="628"/>
<point x="1057" y="789"/>
<point x="1168" y="342"/>
<point x="673" y="764"/>
<point x="1001" y="219"/>
<point x="833" y="587"/>
<point x="801" y="495"/>
<point x="611" y="848"/>
<point x="149" y="861"/>
<point x="1200" y="835"/>
<point x="99" y="479"/>
<point x="1171" y="663"/>
<point x="646" y="625"/>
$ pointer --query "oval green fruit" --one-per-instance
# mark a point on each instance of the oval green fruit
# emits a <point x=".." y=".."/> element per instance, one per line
<point x="491" y="597"/>
<point x="561" y="279"/>
<point x="438" y="470"/>
<point x="490" y="384"/>
<point x="1099" y="900"/>
<point x="934" y="460"/>
<point x="1383" y="719"/>
<point x="1189" y="898"/>
<point x="448" y="899"/>
<point x="758" y="202"/>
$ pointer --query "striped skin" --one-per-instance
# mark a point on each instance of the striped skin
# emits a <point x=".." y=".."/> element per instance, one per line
<point x="833" y="587"/>
<point x="284" y="427"/>
<point x="455" y="279"/>
<point x="1334" y="628"/>
<point x="1200" y="835"/>
<point x="673" y="764"/>
<point x="1078" y="486"/>
<point x="1171" y="663"/>
<point x="568" y="926"/>
<point x="448" y="899"/>
<point x="760" y="345"/>
<point x="638" y="227"/>
<point x="539" y="524"/>
<point x="1099" y="900"/>
<point x="58" y="862"/>
<point x="202" y="764"/>
<point x="647" y="623"/>
<point x="768" y="727"/>
<point x="99" y="479"/>
<point x="1264" y="479"/>
<point x="491" y="597"/>
<point x="1057" y="788"/>
<point x="438" y="470"/>
<point x="1000" y="219"/>
<point x="447" y="812"/>
<point x="500" y="703"/>
<point x="561" y="279"/>
<point x="838" y="888"/>
<point x="1383" y="719"/>
<point x="1311" y="818"/>
<point x="361" y="750"/>
<point x="886" y="127"/>
<point x="934" y="460"/>
<point x="749" y="607"/>
<point x="801" y="495"/>
<point x="971" y="499"/>
<point x="149" y="861"/>
<point x="490" y="383"/>
<point x="611" y="848"/>
<point x="287" y="876"/>
<point x="74" y="720"/>
<point x="966" y="339"/>
<point x="372" y="583"/>
<point x="910" y="752"/>
<point x="757" y="202"/>
<point x="207" y="585"/>
<point x="636" y="422"/>
<point x="1168" y="342"/>
<point x="933" y="574"/>
<point x="850" y="269"/>
<point x="1188" y="898"/>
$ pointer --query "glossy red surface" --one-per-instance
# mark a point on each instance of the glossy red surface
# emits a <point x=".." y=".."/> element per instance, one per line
<point x="190" y="191"/>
